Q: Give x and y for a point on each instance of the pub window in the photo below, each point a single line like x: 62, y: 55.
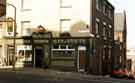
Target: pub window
x: 70, y: 46
x: 21, y: 54
x: 28, y: 55
x: 55, y: 46
x: 63, y: 46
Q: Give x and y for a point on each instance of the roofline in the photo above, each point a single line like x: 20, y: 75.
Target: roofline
x: 110, y: 4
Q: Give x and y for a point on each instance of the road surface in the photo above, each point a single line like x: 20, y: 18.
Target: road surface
x: 31, y: 77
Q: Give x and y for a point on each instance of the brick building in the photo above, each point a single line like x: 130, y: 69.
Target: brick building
x: 103, y: 29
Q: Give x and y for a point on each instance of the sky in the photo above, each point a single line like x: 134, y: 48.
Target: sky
x: 128, y: 6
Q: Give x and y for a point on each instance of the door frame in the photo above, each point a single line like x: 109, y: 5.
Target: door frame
x: 37, y: 47
x: 80, y: 48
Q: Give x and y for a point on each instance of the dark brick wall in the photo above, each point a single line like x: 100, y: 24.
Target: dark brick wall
x: 100, y: 41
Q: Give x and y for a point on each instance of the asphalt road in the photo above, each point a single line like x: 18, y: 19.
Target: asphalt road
x: 13, y: 77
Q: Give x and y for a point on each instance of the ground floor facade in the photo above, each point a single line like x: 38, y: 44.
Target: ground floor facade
x: 41, y: 50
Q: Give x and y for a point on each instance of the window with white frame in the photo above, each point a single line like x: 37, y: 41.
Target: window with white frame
x: 65, y: 24
x: 65, y: 4
x: 26, y: 4
x: 25, y: 28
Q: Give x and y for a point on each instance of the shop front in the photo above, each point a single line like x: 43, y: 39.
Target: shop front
x: 70, y: 53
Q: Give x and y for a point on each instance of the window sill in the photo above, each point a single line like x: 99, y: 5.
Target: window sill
x: 23, y: 10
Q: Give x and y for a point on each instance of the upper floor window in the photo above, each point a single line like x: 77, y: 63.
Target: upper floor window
x: 26, y: 5
x: 65, y: 24
x: 65, y: 4
x: 110, y: 29
x: 110, y: 13
x: 105, y: 9
x: 25, y: 28
x: 98, y: 4
x: 66, y: 13
x: 97, y: 27
x: 104, y: 30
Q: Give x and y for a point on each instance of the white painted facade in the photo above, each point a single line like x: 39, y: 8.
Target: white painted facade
x: 48, y: 13
x: 55, y: 15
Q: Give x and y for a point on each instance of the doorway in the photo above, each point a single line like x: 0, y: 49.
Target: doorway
x: 39, y: 55
x: 81, y: 59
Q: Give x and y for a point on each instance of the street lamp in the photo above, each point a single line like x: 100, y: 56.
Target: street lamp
x: 14, y: 38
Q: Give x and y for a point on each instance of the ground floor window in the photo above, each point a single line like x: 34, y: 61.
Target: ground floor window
x: 24, y: 53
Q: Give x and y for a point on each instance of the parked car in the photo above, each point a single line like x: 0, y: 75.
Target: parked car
x: 120, y: 73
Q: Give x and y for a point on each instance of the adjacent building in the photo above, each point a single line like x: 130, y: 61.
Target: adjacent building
x: 2, y: 8
x: 2, y: 19
x: 120, y: 34
x: 102, y: 26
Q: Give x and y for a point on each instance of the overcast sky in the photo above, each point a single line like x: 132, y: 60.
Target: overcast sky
x: 128, y: 6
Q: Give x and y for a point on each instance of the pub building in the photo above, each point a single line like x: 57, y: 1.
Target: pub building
x: 67, y: 52
x: 41, y: 50
x: 64, y: 53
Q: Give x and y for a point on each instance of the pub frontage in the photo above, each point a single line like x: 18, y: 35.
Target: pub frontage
x: 64, y: 53
x: 80, y: 54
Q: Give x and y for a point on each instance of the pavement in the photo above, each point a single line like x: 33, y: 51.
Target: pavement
x: 34, y: 75
x: 50, y: 73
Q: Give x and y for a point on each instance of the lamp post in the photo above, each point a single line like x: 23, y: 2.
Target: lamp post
x: 14, y: 38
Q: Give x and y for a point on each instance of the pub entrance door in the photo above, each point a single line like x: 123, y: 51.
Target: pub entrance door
x: 39, y: 54
x: 81, y: 59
